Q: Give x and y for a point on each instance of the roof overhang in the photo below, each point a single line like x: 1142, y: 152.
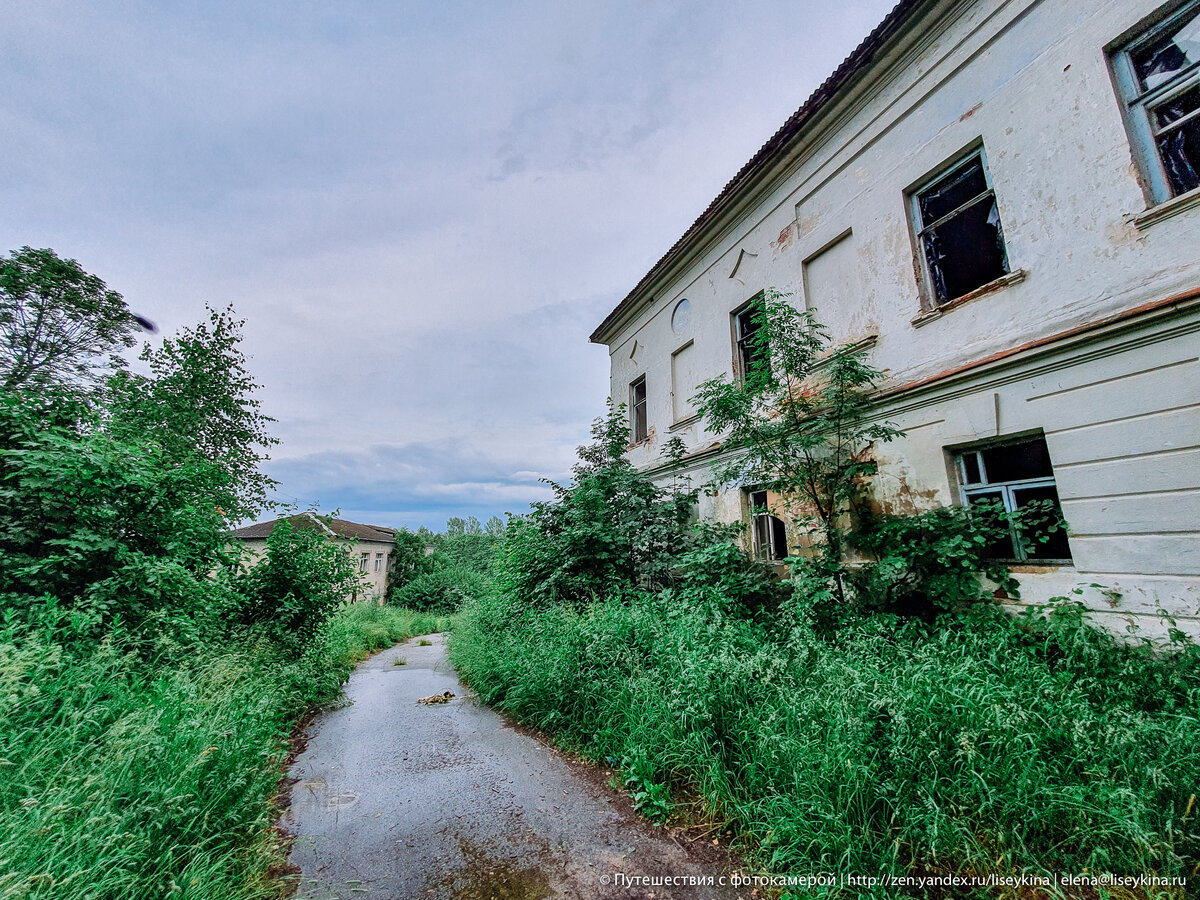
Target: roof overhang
x: 759, y: 170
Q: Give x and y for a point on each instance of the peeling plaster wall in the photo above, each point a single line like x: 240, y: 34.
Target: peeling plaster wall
x: 1027, y: 80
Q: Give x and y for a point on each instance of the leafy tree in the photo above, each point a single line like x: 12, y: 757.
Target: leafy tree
x: 804, y: 425
x: 60, y: 328
x: 494, y: 527
x: 104, y: 530
x: 801, y: 424
x: 409, y: 559
x: 198, y: 403
x: 469, y: 551
x: 609, y: 531
x: 456, y: 526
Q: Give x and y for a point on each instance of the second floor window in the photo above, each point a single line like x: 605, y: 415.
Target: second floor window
x: 362, y: 562
x: 750, y: 353
x: 378, y: 562
x: 959, y: 230
x: 637, y: 410
x: 1158, y: 76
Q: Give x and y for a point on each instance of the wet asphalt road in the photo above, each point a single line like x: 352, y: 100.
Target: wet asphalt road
x: 396, y: 800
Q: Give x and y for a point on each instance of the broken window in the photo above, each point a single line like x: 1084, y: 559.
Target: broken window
x: 637, y: 408
x: 767, y: 531
x: 750, y: 352
x: 362, y: 562
x: 959, y: 229
x: 1015, y: 476
x: 378, y: 562
x: 1158, y: 75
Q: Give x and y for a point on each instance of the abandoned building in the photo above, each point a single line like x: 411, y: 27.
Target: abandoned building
x: 369, y: 546
x: 999, y: 202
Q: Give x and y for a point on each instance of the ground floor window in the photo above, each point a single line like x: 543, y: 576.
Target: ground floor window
x: 1014, y: 474
x: 768, y: 535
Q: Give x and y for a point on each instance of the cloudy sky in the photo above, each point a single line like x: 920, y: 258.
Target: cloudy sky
x: 422, y: 209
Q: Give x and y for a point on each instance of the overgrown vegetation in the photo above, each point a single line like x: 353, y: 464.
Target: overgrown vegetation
x: 975, y: 745
x: 122, y: 776
x: 439, y: 572
x: 872, y: 713
x: 148, y: 678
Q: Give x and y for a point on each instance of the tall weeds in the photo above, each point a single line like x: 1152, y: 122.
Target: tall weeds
x: 980, y: 745
x: 126, y: 778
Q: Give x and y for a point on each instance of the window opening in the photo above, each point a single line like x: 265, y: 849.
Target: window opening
x: 1014, y: 475
x: 768, y: 532
x: 637, y: 404
x: 960, y: 232
x: 1158, y: 76
x: 750, y: 355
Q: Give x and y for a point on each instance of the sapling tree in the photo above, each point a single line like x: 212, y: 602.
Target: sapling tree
x: 801, y: 424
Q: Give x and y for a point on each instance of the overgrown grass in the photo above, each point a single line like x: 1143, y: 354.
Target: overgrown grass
x: 122, y: 778
x: 976, y: 746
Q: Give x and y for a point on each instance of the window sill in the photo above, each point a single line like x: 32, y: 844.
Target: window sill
x: 982, y: 291
x: 1166, y: 209
x: 861, y: 345
x: 684, y: 423
x: 1041, y: 566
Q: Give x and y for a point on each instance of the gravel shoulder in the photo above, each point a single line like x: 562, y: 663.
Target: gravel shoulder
x: 397, y: 800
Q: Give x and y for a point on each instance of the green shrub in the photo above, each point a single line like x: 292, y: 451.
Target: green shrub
x: 295, y: 588
x: 610, y: 528
x: 442, y: 590
x: 114, y: 532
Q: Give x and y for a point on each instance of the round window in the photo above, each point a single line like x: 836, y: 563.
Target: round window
x: 681, y: 316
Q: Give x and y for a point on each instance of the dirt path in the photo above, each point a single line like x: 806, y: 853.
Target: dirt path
x: 395, y: 800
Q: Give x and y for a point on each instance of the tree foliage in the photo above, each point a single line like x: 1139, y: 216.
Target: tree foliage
x: 60, y: 328
x: 199, y: 403
x: 296, y: 587
x: 803, y: 424
x: 409, y: 559
x: 607, y: 531
x: 108, y: 531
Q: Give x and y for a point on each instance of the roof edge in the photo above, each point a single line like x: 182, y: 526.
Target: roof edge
x: 829, y: 90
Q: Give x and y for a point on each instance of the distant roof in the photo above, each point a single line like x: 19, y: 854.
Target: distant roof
x: 862, y: 56
x: 333, y: 527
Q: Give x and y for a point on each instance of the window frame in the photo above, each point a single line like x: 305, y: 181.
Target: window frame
x: 364, y: 561
x: 741, y: 358
x: 967, y: 490
x: 767, y: 531
x: 1137, y: 106
x: 379, y: 562
x: 639, y: 422
x: 930, y: 295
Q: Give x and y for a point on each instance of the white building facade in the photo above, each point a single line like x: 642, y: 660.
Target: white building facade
x: 999, y: 200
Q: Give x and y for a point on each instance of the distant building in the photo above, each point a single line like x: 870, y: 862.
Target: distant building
x: 370, y: 546
x: 999, y: 202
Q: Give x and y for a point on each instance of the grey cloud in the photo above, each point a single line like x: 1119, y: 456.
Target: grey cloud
x: 421, y: 209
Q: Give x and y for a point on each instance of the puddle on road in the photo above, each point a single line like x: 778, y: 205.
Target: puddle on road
x: 482, y: 876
